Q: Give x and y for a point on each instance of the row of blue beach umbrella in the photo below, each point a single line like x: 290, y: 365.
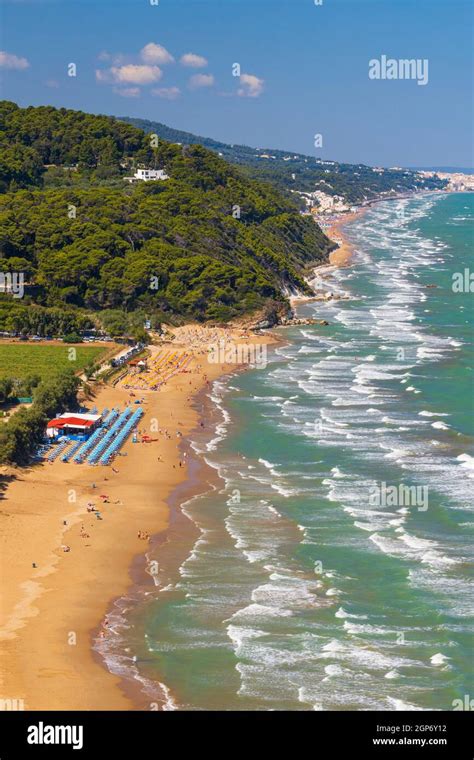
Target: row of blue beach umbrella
x: 121, y: 437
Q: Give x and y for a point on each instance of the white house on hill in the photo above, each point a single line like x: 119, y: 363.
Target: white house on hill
x: 147, y: 175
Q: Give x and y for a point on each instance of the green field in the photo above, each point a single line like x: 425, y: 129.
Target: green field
x: 18, y: 361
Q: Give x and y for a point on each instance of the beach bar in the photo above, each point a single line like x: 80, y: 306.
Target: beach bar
x: 75, y: 426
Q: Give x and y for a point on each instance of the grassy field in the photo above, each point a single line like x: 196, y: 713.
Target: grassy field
x: 20, y: 360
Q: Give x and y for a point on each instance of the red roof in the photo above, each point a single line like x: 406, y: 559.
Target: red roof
x: 61, y: 422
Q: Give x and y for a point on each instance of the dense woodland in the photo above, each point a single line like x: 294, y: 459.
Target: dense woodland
x: 31, y: 139
x: 207, y: 244
x: 356, y: 183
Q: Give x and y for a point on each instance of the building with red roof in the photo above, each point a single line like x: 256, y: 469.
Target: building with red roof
x: 73, y: 425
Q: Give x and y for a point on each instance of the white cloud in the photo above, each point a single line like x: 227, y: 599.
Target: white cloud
x: 103, y: 75
x: 153, y: 53
x: 10, y: 61
x: 134, y: 74
x: 193, y: 61
x: 252, y: 86
x: 201, y: 80
x: 120, y: 59
x: 53, y: 83
x: 127, y: 92
x: 169, y: 93
x: 125, y: 70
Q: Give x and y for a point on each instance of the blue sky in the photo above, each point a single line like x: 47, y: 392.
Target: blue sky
x: 304, y: 70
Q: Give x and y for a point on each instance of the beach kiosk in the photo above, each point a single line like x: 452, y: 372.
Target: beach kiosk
x: 76, y: 426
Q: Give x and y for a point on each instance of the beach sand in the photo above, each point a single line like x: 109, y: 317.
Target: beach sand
x: 341, y: 257
x: 49, y: 612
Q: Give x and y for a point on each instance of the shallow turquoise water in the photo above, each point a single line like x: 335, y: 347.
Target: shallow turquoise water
x: 295, y: 590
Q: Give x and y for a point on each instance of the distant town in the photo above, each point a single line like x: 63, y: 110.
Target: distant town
x: 324, y: 207
x: 457, y: 181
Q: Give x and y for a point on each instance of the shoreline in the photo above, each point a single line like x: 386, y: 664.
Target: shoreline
x: 342, y: 256
x: 51, y: 613
x: 176, y: 541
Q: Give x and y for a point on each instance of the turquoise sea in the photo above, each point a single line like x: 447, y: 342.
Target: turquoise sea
x: 288, y: 585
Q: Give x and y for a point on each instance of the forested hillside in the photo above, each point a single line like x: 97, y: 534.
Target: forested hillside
x: 208, y: 243
x: 31, y: 139
x: 290, y: 172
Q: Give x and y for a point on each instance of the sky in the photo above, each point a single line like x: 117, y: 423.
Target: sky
x: 265, y: 73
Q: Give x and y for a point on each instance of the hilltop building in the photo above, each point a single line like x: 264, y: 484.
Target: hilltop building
x: 148, y: 175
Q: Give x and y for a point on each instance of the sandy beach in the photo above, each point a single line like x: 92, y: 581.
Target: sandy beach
x: 53, y: 600
x: 342, y: 256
